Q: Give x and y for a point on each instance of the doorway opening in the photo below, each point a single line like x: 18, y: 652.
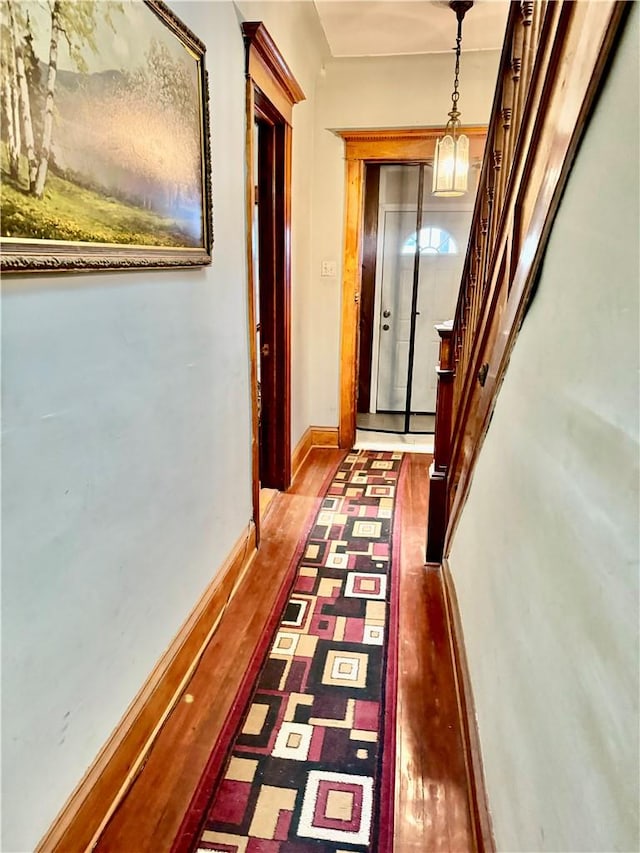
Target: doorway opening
x: 363, y: 149
x: 272, y: 331
x: 413, y: 252
x: 271, y: 93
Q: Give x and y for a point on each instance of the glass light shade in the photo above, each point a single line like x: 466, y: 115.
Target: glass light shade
x: 451, y: 166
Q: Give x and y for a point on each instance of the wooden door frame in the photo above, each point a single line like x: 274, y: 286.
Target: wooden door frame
x: 270, y: 82
x: 362, y: 147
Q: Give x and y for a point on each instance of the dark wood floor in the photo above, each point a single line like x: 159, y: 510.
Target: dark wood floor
x: 431, y: 808
x: 432, y: 803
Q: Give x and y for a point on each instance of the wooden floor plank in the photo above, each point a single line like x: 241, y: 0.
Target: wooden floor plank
x: 431, y: 808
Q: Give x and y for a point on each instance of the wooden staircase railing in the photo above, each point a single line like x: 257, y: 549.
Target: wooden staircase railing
x: 552, y: 63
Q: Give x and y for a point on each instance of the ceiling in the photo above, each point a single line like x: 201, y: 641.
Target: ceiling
x: 391, y: 27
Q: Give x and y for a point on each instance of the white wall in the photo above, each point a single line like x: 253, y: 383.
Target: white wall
x: 126, y: 481
x: 374, y: 92
x: 126, y: 447
x: 545, y: 560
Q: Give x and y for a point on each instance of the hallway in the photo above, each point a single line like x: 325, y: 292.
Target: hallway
x: 431, y: 798
x: 134, y: 596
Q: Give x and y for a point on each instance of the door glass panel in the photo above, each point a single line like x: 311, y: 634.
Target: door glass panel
x: 441, y: 236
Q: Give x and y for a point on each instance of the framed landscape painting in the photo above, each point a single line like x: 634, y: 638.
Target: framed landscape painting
x: 104, y: 137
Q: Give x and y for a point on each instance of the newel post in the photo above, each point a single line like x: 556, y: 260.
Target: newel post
x: 438, y: 472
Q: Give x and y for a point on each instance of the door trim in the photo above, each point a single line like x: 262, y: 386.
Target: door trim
x: 362, y: 147
x: 269, y: 78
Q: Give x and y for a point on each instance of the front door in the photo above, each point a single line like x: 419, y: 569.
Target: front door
x: 443, y: 242
x: 442, y: 246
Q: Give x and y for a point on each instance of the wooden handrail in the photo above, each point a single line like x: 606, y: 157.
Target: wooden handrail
x: 552, y: 63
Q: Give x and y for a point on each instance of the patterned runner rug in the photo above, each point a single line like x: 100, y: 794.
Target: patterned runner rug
x: 307, y: 761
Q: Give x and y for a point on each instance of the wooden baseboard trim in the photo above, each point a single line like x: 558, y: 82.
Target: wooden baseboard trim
x: 92, y: 803
x: 313, y: 436
x: 478, y: 801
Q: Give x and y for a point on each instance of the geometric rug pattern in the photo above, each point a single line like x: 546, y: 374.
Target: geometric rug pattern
x: 304, y: 769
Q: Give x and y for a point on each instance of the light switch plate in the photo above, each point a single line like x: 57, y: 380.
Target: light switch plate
x: 328, y: 269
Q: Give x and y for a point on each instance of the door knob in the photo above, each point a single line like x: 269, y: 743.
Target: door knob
x: 386, y: 327
x: 386, y: 313
x: 264, y: 349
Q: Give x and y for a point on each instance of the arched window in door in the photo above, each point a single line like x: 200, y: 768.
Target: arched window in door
x: 433, y: 241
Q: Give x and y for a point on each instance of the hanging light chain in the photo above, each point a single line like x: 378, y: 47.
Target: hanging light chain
x: 455, y: 94
x: 460, y: 7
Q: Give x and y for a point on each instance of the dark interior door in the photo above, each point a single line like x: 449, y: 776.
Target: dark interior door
x: 275, y: 465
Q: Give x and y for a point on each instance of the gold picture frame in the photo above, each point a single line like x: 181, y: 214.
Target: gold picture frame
x: 105, y: 148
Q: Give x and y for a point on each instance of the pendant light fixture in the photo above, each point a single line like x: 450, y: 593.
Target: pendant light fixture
x: 451, y: 161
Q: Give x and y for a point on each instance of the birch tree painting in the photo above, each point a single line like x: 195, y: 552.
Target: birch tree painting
x: 101, y: 125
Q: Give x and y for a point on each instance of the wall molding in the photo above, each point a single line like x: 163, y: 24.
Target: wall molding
x: 92, y: 803
x: 389, y: 145
x: 266, y: 65
x: 477, y: 790
x: 313, y: 436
